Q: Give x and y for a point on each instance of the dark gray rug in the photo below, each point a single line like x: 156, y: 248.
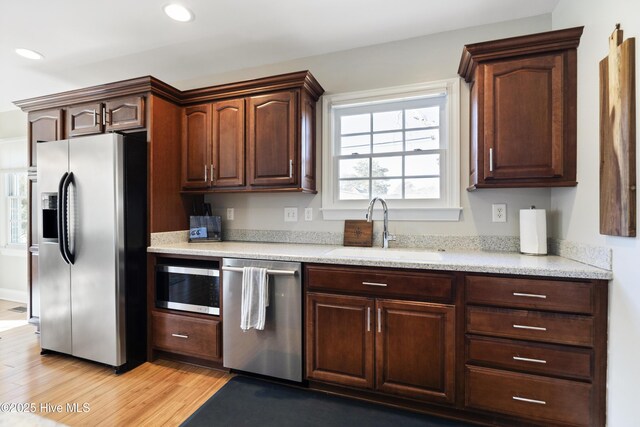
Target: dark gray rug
x: 247, y: 401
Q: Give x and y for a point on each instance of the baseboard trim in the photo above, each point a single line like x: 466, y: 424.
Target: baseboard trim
x: 13, y: 295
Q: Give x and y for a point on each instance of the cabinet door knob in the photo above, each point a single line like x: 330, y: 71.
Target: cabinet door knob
x: 206, y: 178
x: 368, y: 319
x: 290, y: 168
x: 379, y: 320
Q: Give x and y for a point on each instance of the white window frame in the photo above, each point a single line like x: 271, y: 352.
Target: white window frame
x: 5, y: 206
x: 446, y: 209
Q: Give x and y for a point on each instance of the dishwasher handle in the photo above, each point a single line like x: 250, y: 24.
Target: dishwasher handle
x: 270, y: 272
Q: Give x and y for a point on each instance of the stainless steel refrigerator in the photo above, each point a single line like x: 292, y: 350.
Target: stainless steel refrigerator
x: 92, y: 242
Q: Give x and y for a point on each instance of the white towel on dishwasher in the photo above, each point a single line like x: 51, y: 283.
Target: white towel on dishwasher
x: 255, y: 298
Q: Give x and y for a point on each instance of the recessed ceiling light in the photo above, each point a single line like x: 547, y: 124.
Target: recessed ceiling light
x: 28, y: 53
x: 178, y: 12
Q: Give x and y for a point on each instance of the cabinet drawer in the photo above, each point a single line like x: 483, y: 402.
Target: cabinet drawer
x: 186, y: 335
x: 381, y: 282
x: 534, y: 397
x: 533, y: 358
x: 529, y: 325
x: 570, y: 297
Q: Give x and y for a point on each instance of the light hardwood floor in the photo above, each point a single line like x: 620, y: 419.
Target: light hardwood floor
x: 153, y: 394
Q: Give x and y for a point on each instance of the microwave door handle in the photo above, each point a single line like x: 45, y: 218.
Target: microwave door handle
x: 65, y: 223
x: 60, y: 218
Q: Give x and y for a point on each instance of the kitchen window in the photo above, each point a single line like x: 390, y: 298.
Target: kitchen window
x: 398, y: 143
x: 16, y: 207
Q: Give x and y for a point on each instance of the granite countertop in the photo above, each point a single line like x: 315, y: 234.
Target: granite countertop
x: 469, y: 261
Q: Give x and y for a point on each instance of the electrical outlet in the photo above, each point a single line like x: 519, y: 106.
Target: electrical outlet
x: 499, y: 212
x: 308, y: 214
x: 290, y: 214
x: 230, y: 214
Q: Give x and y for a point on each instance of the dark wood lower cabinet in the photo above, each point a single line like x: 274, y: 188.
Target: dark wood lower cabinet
x: 415, y: 349
x: 186, y: 335
x: 548, y: 400
x: 396, y: 347
x: 530, y: 356
x: 490, y: 349
x: 536, y: 358
x: 340, y: 339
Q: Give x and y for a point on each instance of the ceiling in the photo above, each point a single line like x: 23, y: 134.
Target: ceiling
x: 93, y: 42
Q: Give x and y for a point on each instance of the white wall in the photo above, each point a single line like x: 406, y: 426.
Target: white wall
x: 579, y: 206
x: 13, y: 279
x: 13, y: 155
x: 409, y: 61
x: 13, y: 124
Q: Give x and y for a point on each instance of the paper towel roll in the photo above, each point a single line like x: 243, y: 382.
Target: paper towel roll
x: 533, y: 231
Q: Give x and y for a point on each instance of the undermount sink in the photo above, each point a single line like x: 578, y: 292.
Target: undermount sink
x: 385, y: 254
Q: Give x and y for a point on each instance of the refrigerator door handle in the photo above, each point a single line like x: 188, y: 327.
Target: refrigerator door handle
x: 68, y: 255
x: 60, y: 218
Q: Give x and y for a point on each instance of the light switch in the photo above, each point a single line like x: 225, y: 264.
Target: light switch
x: 290, y: 214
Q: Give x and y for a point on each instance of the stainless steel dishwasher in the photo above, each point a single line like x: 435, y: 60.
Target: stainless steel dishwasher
x: 275, y: 351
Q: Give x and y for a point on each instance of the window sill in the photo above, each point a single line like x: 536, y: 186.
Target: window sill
x: 396, y: 214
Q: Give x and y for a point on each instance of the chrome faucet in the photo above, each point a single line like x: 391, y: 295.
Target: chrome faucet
x: 385, y: 229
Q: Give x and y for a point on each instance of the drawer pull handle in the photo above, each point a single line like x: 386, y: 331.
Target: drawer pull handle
x: 524, y: 399
x: 520, y: 294
x: 374, y: 284
x: 532, y: 328
x: 526, y: 359
x: 180, y: 336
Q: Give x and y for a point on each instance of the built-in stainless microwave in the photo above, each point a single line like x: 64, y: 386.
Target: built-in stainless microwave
x: 186, y: 287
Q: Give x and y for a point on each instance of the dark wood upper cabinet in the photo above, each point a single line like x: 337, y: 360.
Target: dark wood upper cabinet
x: 213, y: 145
x: 124, y: 113
x: 262, y: 136
x: 264, y: 142
x: 45, y: 125
x: 116, y: 114
x: 84, y: 119
x: 196, y: 146
x: 523, y: 110
x: 308, y: 141
x: 273, y: 159
x: 228, y: 143
x: 533, y: 151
